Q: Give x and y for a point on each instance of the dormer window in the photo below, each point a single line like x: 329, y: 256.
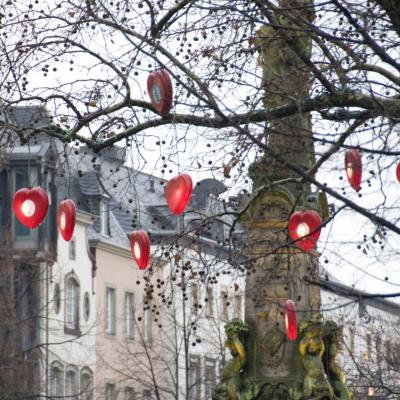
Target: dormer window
x: 104, y: 214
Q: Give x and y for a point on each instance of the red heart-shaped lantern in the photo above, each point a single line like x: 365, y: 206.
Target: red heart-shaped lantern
x: 353, y: 165
x: 140, y: 248
x: 178, y: 192
x: 30, y: 206
x: 66, y: 216
x: 304, y: 227
x: 290, y: 320
x: 398, y: 172
x: 159, y: 87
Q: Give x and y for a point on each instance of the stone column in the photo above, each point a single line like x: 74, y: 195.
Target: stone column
x: 277, y: 271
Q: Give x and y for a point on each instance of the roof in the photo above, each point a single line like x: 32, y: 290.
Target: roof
x: 30, y: 117
x: 376, y: 301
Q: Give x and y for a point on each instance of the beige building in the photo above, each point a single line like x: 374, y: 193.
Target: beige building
x: 124, y: 330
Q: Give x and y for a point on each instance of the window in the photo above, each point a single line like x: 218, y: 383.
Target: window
x: 194, y: 378
x: 147, y: 320
x: 388, y: 352
x: 72, y: 303
x: 129, y: 394
x: 86, y: 384
x: 210, y: 301
x: 56, y: 380
x: 110, y: 311
x: 209, y: 377
x: 378, y: 348
x: 238, y: 306
x: 129, y: 315
x: 27, y: 305
x: 25, y: 238
x: 110, y: 391
x: 104, y: 216
x: 57, y: 298
x: 86, y: 306
x: 352, y: 339
x: 147, y: 394
x: 224, y: 305
x: 367, y: 352
x: 195, y: 299
x: 71, y: 385
x: 72, y: 249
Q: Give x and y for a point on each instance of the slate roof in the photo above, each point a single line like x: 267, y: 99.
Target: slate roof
x: 29, y: 117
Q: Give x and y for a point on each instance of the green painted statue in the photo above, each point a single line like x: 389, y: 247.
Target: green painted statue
x: 231, y: 385
x: 333, y: 337
x: 318, y: 348
x: 311, y: 349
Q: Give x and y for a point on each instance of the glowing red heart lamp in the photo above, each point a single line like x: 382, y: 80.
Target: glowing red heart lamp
x: 304, y: 227
x: 178, y: 192
x: 159, y: 87
x: 290, y: 320
x: 140, y: 248
x: 353, y: 165
x: 66, y: 216
x: 398, y: 172
x: 30, y: 206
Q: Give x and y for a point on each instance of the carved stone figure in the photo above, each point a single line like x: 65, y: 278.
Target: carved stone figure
x: 230, y: 386
x: 333, y: 337
x: 311, y: 348
x: 272, y: 347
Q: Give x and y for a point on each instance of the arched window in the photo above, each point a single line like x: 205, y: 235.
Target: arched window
x: 86, y: 384
x: 71, y: 303
x: 56, y: 380
x: 71, y: 383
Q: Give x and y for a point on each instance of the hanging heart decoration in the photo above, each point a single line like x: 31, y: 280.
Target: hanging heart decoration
x: 353, y: 165
x: 178, y: 192
x: 290, y: 320
x: 304, y: 227
x: 30, y: 206
x: 140, y: 248
x: 66, y: 216
x: 398, y: 172
x: 159, y: 87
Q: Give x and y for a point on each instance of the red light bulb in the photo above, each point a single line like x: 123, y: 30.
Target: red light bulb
x: 178, y: 192
x: 304, y: 228
x: 66, y: 216
x: 30, y: 206
x: 140, y: 248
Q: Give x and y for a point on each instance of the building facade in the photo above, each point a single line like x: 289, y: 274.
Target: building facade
x: 91, y: 325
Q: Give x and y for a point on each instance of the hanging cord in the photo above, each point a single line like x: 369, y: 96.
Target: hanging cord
x: 137, y: 204
x: 29, y: 165
x: 177, y: 152
x: 132, y: 181
x: 68, y: 175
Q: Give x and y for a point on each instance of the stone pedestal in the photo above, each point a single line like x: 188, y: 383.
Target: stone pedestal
x: 276, y: 273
